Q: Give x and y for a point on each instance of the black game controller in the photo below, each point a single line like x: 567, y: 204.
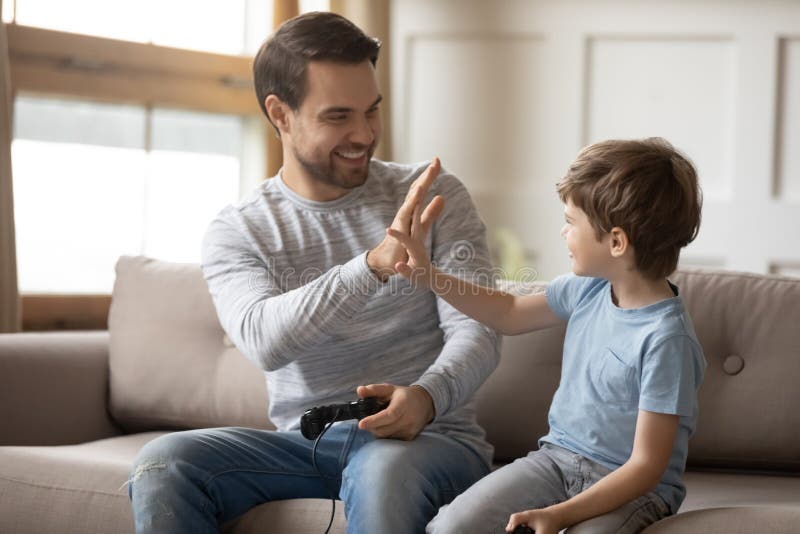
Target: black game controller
x: 523, y: 529
x: 314, y: 420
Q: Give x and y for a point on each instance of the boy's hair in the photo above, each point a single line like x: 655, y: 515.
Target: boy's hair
x: 647, y: 188
x: 279, y: 67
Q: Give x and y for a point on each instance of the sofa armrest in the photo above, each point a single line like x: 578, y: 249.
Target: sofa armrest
x: 54, y: 388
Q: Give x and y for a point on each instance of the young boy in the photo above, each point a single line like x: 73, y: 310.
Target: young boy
x: 626, y: 406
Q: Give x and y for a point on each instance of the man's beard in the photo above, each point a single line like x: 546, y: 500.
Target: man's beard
x: 326, y: 172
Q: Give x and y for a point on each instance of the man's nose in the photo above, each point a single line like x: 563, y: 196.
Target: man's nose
x: 362, y: 132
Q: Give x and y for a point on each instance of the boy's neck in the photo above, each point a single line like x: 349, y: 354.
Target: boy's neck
x: 632, y: 290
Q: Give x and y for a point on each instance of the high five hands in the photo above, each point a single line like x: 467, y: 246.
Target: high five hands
x: 414, y: 263
x: 411, y: 220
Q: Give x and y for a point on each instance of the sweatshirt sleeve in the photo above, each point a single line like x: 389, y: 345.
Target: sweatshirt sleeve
x: 269, y: 326
x: 471, y: 350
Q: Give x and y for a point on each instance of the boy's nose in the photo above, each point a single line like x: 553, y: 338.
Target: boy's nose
x: 564, y: 231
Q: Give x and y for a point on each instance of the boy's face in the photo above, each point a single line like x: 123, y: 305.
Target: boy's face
x: 336, y: 128
x: 589, y: 256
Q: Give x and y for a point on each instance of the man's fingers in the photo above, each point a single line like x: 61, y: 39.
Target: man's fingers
x: 428, y: 176
x: 432, y: 211
x: 417, y: 191
x: 374, y: 422
x: 382, y: 391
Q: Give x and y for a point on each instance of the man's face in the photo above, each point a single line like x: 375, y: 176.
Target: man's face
x: 336, y: 128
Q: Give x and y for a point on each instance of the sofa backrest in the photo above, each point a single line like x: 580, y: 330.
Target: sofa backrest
x: 172, y: 366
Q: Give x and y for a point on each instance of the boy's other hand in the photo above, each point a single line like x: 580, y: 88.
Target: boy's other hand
x: 541, y: 521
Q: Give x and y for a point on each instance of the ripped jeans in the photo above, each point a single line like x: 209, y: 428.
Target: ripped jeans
x: 195, y: 480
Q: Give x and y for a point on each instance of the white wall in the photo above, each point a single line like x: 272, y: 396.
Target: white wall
x: 508, y: 91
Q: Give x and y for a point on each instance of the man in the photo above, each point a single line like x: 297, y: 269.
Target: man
x: 301, y: 274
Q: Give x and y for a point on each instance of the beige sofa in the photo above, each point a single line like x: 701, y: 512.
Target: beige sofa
x: 76, y: 407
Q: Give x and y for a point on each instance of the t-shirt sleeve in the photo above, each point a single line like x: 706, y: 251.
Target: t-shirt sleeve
x: 671, y: 374
x: 565, y: 292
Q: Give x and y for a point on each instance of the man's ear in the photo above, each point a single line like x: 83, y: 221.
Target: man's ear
x: 619, y: 242
x: 278, y: 113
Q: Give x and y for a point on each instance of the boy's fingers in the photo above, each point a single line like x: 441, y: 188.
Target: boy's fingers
x: 404, y: 239
x: 408, y: 243
x: 415, y: 196
x: 415, y: 221
x: 404, y: 269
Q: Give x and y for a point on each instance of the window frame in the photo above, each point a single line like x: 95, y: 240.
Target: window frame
x: 51, y: 63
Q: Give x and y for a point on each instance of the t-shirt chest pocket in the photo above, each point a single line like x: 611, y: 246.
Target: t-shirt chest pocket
x: 613, y: 379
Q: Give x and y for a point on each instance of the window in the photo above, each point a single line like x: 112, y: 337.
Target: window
x: 94, y: 181
x: 134, y: 124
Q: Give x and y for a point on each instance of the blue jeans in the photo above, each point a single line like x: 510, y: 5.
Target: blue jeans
x: 195, y: 480
x: 542, y: 478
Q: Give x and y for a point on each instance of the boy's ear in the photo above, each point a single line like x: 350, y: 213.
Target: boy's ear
x: 278, y: 113
x: 619, y: 242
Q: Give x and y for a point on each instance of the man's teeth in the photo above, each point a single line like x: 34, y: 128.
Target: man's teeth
x: 351, y: 155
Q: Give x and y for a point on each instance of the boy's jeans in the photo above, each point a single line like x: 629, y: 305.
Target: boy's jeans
x: 194, y: 481
x: 540, y: 479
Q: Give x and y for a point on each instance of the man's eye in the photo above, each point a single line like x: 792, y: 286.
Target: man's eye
x: 337, y: 118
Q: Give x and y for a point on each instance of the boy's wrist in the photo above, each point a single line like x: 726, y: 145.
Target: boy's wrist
x: 560, y: 514
x: 436, y: 280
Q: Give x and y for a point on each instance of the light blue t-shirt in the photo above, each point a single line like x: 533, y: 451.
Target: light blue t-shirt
x: 619, y: 361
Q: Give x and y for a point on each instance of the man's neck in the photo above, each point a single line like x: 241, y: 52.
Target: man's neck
x: 297, y: 178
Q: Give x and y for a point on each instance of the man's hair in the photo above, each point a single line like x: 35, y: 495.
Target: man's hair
x: 279, y: 67
x: 645, y: 187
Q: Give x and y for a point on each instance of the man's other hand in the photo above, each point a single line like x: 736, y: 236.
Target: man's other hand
x: 410, y: 410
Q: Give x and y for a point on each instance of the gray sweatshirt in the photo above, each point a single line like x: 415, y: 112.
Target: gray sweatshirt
x: 293, y: 291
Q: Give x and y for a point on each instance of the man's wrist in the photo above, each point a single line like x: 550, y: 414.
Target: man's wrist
x: 430, y: 414
x: 380, y: 272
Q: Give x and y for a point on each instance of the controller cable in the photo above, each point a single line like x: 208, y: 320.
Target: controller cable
x: 314, y: 463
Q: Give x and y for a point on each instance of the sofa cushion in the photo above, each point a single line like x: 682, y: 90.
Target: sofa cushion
x: 299, y: 516
x: 740, y: 520
x: 708, y: 489
x: 69, y: 488
x: 170, y: 365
